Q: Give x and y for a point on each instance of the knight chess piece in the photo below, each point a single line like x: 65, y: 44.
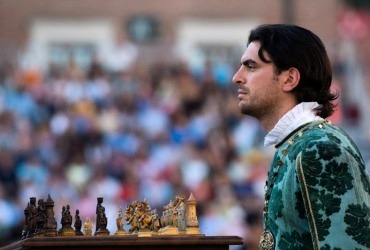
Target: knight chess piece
x: 66, y: 222
x: 78, y: 224
x: 50, y: 225
x: 119, y: 222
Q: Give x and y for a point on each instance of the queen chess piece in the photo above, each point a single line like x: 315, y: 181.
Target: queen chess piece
x: 103, y: 222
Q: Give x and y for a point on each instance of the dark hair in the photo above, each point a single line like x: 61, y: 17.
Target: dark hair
x: 293, y: 46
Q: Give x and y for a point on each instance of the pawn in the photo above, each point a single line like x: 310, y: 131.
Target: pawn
x: 88, y: 227
x: 78, y: 224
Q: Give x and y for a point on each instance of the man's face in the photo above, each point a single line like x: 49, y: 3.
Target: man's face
x: 258, y: 87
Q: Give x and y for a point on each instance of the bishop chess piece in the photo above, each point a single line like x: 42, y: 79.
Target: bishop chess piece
x: 78, y: 224
x: 119, y: 222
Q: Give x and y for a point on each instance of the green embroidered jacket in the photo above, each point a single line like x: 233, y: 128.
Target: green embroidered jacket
x: 321, y: 195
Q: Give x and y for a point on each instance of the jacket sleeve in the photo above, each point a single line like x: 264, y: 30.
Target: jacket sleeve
x: 335, y: 189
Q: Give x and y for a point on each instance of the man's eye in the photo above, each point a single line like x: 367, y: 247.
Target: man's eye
x: 250, y: 68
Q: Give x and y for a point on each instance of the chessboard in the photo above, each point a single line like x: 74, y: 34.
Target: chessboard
x: 128, y: 242
x: 176, y: 227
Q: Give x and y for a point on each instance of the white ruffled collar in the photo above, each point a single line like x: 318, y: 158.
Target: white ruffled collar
x: 299, y: 115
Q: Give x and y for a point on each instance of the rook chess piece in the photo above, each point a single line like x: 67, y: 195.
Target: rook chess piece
x: 192, y: 219
x: 50, y: 225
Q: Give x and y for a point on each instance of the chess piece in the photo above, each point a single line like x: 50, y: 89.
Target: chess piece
x: 88, y: 227
x: 32, y: 219
x: 181, y: 214
x: 66, y: 222
x: 50, y: 225
x: 119, y: 222
x: 103, y: 222
x: 99, y: 208
x: 143, y: 219
x: 171, y: 228
x: 41, y: 217
x: 155, y: 221
x: 191, y: 217
x: 130, y: 218
x: 25, y: 227
x: 78, y: 224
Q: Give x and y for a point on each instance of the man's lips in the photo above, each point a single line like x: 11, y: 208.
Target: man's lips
x: 241, y: 93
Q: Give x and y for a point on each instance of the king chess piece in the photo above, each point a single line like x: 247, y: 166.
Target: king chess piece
x: 78, y: 224
x: 66, y: 222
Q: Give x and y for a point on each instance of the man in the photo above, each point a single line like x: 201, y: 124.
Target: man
x: 317, y: 189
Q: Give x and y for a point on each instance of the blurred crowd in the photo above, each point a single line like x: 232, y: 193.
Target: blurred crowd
x: 143, y: 132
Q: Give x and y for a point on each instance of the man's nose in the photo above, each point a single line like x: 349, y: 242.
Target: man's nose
x: 237, y: 77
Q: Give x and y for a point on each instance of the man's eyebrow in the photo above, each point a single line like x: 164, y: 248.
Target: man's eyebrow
x: 247, y: 62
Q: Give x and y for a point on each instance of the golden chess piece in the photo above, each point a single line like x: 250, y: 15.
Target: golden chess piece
x: 88, y: 227
x: 192, y: 224
x: 119, y: 221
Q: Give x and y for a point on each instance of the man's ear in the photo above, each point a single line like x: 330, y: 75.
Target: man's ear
x: 291, y: 80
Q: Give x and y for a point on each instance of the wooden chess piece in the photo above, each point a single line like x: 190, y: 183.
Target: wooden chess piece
x: 103, y: 222
x: 192, y: 225
x: 32, y: 219
x: 78, y: 224
x: 181, y: 214
x: 66, y: 222
x: 50, y: 225
x: 131, y: 219
x: 41, y: 218
x: 119, y: 222
x: 25, y: 227
x: 99, y: 208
